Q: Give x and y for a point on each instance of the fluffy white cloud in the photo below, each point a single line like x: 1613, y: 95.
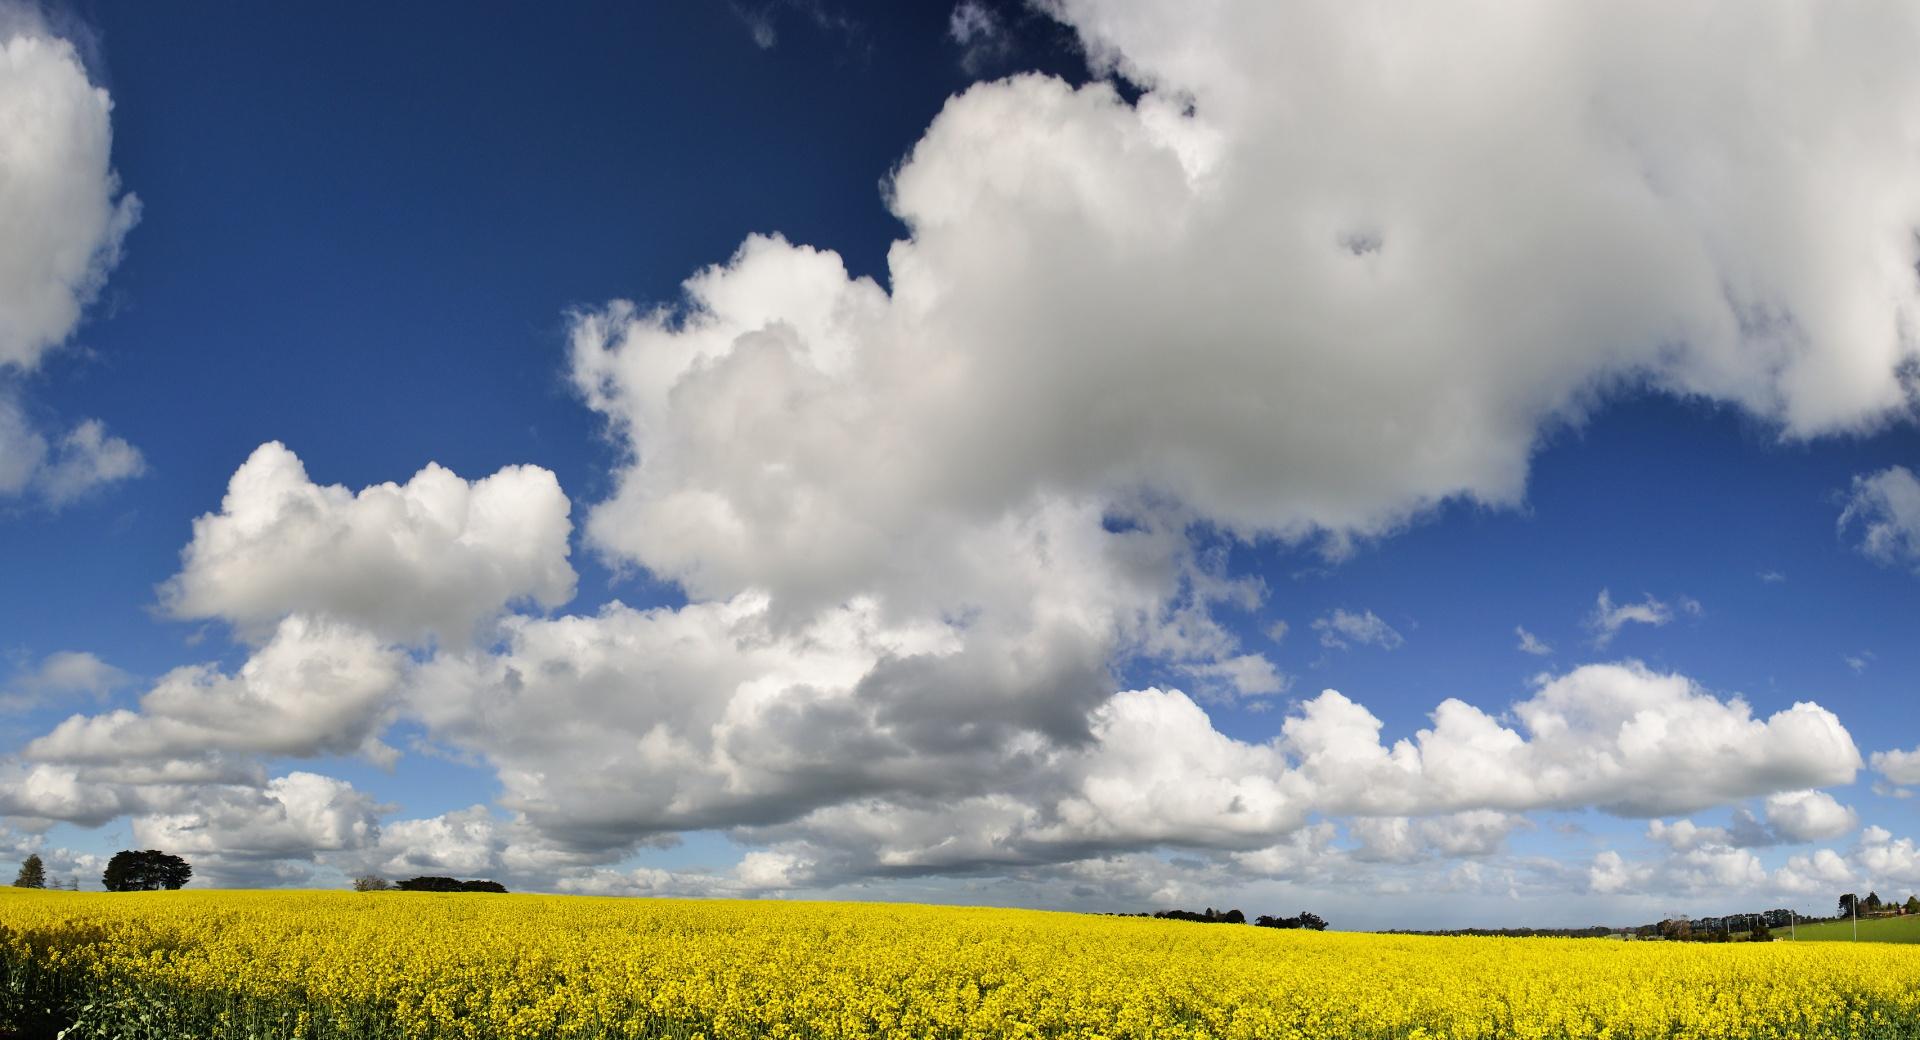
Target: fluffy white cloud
x: 317, y: 687
x: 62, y: 218
x: 1398, y: 839
x: 62, y: 215
x: 435, y: 556
x: 1900, y: 767
x: 1620, y: 737
x: 1885, y: 509
x: 1344, y: 628
x: 1822, y: 871
x: 1885, y: 859
x: 250, y: 836
x: 1798, y: 816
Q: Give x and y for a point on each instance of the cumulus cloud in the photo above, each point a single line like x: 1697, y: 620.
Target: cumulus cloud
x: 1822, y: 871
x: 62, y: 214
x: 1343, y: 628
x: 1608, y: 618
x: 317, y: 687
x: 920, y: 526
x: 243, y: 837
x: 436, y: 556
x: 1798, y: 816
x: 62, y: 219
x: 1791, y: 817
x: 1884, y: 510
x: 1900, y: 767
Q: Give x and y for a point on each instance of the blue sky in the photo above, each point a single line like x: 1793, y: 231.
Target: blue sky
x: 1103, y: 387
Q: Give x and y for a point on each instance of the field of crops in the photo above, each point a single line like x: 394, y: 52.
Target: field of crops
x: 1872, y: 929
x: 339, y: 965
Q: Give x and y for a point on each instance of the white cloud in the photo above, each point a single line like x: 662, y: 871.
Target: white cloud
x: 1822, y: 871
x: 1685, y: 835
x: 61, y: 675
x: 1618, y: 737
x: 435, y: 556
x: 1900, y: 767
x: 65, y: 470
x: 242, y: 837
x: 85, y: 459
x: 1858, y: 662
x: 1608, y: 618
x: 1884, y: 859
x: 1798, y: 816
x: 1885, y: 508
x: 892, y: 510
x: 317, y: 687
x: 62, y: 219
x: 1398, y: 839
x: 1530, y: 643
x: 62, y: 216
x: 1343, y: 628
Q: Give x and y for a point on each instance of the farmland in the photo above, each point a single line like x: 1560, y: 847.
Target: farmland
x: 1872, y: 929
x: 326, y: 965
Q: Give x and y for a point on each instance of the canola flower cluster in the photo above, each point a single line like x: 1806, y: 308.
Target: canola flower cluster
x: 327, y: 965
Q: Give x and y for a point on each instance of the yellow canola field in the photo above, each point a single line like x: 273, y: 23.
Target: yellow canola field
x: 374, y: 965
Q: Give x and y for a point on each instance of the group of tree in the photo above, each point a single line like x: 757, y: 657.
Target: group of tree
x: 430, y: 884
x: 130, y: 871
x: 1851, y: 904
x: 1597, y: 931
x: 1212, y: 916
x: 1305, y: 920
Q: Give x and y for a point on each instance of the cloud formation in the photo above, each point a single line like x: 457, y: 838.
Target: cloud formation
x: 436, y: 556
x: 1884, y: 511
x: 62, y: 214
x: 920, y: 526
x: 62, y: 219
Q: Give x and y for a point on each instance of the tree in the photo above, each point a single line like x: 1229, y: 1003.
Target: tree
x: 1846, y: 904
x: 1913, y: 904
x: 1313, y: 921
x: 130, y: 871
x: 1872, y: 903
x: 370, y: 883
x: 33, y: 873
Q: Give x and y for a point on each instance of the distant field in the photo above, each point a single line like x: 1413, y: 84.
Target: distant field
x: 1877, y: 929
x: 427, y: 966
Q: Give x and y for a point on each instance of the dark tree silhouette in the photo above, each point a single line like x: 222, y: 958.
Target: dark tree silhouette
x: 447, y: 884
x: 1846, y: 904
x: 33, y: 873
x: 130, y: 871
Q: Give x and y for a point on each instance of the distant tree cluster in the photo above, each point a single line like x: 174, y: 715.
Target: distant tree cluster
x: 447, y: 884
x: 130, y: 871
x: 370, y: 883
x: 1305, y: 920
x: 1212, y: 916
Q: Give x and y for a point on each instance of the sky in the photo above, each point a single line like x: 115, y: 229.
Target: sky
x: 1434, y: 468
